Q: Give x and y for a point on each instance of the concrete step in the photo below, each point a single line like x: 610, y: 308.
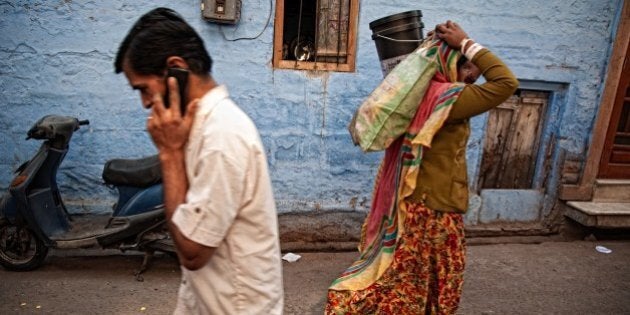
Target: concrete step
x: 611, y: 190
x: 600, y: 214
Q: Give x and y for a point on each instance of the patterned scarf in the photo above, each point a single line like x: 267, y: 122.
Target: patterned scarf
x: 398, y: 173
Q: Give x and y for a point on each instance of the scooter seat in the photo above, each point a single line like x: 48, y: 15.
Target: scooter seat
x: 141, y: 172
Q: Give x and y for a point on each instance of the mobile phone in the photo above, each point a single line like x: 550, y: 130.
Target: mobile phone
x: 182, y: 82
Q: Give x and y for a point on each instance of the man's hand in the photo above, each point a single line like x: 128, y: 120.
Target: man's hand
x: 168, y: 129
x: 451, y: 33
x: 170, y: 132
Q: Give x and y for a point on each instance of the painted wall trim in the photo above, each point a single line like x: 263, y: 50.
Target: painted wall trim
x: 541, y: 85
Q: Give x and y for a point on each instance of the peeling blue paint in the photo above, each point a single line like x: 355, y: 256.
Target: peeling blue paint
x: 510, y: 205
x: 56, y: 57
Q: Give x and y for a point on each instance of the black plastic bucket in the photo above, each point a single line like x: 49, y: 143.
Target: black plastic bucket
x: 396, y: 36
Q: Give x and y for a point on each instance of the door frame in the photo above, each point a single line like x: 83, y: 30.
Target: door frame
x: 606, y: 168
x: 584, y: 189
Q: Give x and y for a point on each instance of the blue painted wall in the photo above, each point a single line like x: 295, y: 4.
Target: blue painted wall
x: 56, y: 58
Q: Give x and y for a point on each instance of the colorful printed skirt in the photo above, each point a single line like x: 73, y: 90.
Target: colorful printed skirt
x: 425, y: 276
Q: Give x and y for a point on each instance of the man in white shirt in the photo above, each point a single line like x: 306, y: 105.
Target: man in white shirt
x: 217, y: 192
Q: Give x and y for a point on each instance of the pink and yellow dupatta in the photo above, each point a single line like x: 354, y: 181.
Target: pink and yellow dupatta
x: 398, y: 173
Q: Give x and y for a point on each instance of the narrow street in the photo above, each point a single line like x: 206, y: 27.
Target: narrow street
x: 545, y: 278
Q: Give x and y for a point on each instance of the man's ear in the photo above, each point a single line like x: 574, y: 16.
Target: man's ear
x: 176, y: 62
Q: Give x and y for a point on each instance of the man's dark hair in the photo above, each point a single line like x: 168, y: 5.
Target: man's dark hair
x: 157, y: 35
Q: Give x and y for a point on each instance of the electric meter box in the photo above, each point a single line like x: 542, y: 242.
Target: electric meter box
x: 221, y: 11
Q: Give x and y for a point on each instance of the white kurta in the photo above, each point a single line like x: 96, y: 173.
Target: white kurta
x: 230, y: 206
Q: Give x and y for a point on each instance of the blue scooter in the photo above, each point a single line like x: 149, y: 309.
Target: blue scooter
x: 33, y: 217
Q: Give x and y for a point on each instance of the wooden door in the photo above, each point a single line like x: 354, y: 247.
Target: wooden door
x: 512, y: 141
x: 615, y: 162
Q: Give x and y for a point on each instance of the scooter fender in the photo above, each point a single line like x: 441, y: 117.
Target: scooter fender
x: 34, y: 206
x: 8, y: 207
x: 36, y: 194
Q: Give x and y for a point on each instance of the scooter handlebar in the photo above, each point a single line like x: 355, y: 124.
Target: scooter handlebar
x: 52, y: 127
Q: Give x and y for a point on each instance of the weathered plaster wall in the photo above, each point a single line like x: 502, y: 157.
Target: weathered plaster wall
x: 56, y: 57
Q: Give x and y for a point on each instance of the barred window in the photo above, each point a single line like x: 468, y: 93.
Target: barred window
x: 315, y: 34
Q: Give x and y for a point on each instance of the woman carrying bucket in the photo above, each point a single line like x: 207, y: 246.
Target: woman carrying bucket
x: 412, y: 244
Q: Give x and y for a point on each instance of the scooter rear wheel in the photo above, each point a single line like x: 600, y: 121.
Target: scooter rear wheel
x: 20, y: 249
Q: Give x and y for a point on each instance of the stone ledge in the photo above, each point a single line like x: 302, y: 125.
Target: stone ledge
x: 341, y: 230
x: 470, y: 241
x: 600, y: 214
x: 611, y: 191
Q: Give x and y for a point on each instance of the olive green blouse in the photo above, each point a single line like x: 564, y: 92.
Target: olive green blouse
x: 442, y: 181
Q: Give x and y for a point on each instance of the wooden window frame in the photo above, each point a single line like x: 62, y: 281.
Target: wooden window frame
x: 348, y: 66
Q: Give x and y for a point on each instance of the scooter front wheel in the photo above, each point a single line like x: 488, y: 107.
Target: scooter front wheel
x: 20, y: 249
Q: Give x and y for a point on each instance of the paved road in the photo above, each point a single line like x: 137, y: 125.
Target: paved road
x: 546, y: 278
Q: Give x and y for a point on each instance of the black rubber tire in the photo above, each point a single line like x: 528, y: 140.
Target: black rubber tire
x: 10, y: 259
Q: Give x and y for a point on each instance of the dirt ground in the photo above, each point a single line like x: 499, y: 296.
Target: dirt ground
x: 545, y: 278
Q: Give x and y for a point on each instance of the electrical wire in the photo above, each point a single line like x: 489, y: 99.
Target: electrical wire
x: 250, y: 38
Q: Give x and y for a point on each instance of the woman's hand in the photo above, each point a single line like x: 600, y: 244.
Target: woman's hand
x: 451, y: 33
x: 168, y: 129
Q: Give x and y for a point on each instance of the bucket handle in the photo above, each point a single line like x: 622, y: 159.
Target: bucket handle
x: 400, y: 40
